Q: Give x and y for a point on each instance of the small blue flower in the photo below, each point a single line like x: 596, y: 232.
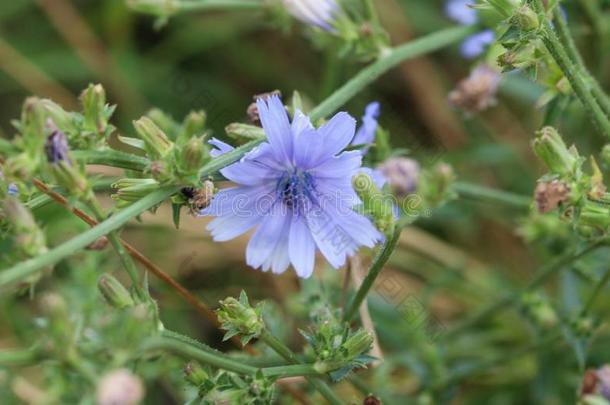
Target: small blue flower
x: 366, y: 133
x: 13, y: 189
x: 476, y: 44
x: 317, y: 13
x: 297, y: 189
x: 461, y: 11
x: 56, y: 148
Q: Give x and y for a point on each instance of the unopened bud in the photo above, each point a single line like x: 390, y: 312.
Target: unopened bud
x: 193, y: 154
x: 436, y: 185
x: 244, y: 131
x: 549, y: 195
x: 193, y: 125
x: 53, y: 305
x: 157, y: 143
x: 114, y: 292
x: 120, y: 387
x: 375, y: 203
x: 526, y: 18
x: 551, y: 149
x: 402, y: 175
x: 238, y: 317
x: 478, y: 91
x: 56, y: 147
x: 131, y: 190
x: 195, y: 374
x: 29, y: 237
x: 33, y: 125
x: 93, y: 99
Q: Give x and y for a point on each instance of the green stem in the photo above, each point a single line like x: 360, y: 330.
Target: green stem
x: 19, y: 357
x: 476, y: 192
x: 563, y: 32
x: 284, y: 351
x: 206, y: 5
x: 209, y: 356
x: 390, y: 59
x: 576, y: 79
x: 112, y: 158
x: 540, y: 278
x: 380, y: 260
x: 593, y: 297
x: 41, y: 200
x: 117, y: 245
x: 29, y: 267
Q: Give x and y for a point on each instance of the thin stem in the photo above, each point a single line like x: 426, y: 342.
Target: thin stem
x: 593, y: 297
x: 540, y: 278
x: 189, y: 350
x: 380, y: 260
x: 371, y: 11
x: 115, y: 241
x: 204, y: 5
x: 19, y: 357
x: 29, y: 267
x: 392, y: 58
x: 284, y: 351
x: 476, y: 192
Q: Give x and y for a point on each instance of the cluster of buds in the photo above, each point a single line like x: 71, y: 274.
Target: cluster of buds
x: 338, y: 349
x: 580, y: 196
x: 375, y: 203
x: 225, y: 387
x: 176, y: 151
x: 238, y: 317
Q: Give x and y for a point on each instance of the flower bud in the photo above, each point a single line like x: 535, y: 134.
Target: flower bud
x: 54, y: 306
x: 244, y: 131
x: 29, y: 237
x: 20, y: 166
x: 120, y: 387
x: 157, y: 143
x: 58, y: 155
x: 96, y: 112
x: 375, y: 203
x: 114, y: 292
x: 195, y: 374
x: 478, y: 91
x: 526, y: 18
x: 402, y: 175
x: 550, y: 194
x: 551, y: 149
x: 340, y: 354
x: 436, y: 185
x: 56, y: 147
x: 193, y: 155
x: 32, y: 126
x: 238, y: 317
x: 193, y: 125
x: 131, y: 190
x: 315, y: 13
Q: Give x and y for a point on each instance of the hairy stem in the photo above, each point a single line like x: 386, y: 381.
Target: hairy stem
x: 392, y: 58
x: 378, y: 262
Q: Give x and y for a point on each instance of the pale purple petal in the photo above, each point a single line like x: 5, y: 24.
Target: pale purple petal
x: 476, y: 44
x: 221, y: 147
x: 337, y: 133
x: 275, y: 122
x: 344, y: 165
x: 308, y: 147
x: 366, y: 132
x: 301, y: 247
x: 267, y: 236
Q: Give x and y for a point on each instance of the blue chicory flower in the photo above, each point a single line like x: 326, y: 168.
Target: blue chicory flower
x: 317, y: 13
x: 461, y: 12
x: 13, y: 189
x: 297, y: 189
x: 476, y: 44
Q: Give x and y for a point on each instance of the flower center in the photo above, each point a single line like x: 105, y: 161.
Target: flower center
x: 296, y: 189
